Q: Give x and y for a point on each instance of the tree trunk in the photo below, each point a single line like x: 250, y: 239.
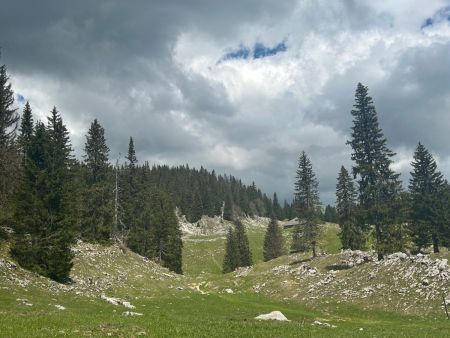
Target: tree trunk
x: 378, y: 234
x: 435, y: 243
x: 314, y: 248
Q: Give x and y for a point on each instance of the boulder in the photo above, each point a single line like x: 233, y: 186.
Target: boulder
x: 274, y: 315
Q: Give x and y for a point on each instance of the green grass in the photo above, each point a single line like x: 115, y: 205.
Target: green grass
x: 184, y: 312
x: 193, y: 315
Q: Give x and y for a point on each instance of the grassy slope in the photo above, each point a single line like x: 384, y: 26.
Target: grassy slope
x: 173, y: 307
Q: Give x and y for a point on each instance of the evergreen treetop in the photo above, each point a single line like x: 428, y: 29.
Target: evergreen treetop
x: 8, y: 114
x: 273, y: 241
x: 26, y: 128
x: 96, y: 153
x: 131, y: 157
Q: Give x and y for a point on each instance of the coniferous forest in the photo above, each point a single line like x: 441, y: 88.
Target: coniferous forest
x: 49, y: 199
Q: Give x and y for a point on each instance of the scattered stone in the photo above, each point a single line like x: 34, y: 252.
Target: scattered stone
x: 131, y: 314
x: 243, y: 272
x: 316, y: 322
x: 24, y: 301
x: 60, y: 307
x: 230, y: 291
x: 117, y: 301
x: 274, y: 315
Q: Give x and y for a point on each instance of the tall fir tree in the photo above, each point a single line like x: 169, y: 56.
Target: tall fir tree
x: 352, y: 236
x: 231, y: 259
x: 245, y: 255
x: 131, y: 156
x: 97, y: 210
x: 307, y: 204
x: 277, y: 210
x: 60, y: 203
x: 426, y: 187
x: 273, y: 241
x: 44, y: 228
x: 130, y: 188
x: 96, y: 153
x: 378, y: 185
x: 26, y: 130
x: 8, y: 150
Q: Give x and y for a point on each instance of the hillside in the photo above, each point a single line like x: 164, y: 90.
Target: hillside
x: 339, y: 294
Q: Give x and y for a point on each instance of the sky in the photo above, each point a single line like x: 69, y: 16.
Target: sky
x: 239, y: 86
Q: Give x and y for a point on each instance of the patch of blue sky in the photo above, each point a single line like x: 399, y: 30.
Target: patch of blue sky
x: 442, y: 14
x: 261, y: 51
x: 258, y: 51
x: 20, y: 98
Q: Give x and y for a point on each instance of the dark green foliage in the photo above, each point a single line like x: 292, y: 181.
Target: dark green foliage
x: 288, y: 210
x: 8, y: 114
x: 307, y: 205
x: 245, y: 256
x: 273, y: 241
x: 237, y: 249
x: 97, y: 197
x: 352, y: 236
x: 378, y: 185
x: 231, y: 260
x: 228, y: 209
x: 196, y: 207
x: 277, y: 210
x: 26, y: 129
x: 426, y: 188
x: 330, y: 214
x: 96, y: 154
x: 156, y: 233
x: 44, y: 229
x: 398, y: 231
x: 131, y: 157
x: 130, y: 187
x: 8, y: 152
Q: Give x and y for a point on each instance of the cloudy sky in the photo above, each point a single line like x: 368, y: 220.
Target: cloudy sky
x: 239, y: 86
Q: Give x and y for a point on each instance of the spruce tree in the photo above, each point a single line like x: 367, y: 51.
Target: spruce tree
x: 97, y: 210
x: 96, y: 153
x: 43, y: 226
x: 307, y: 205
x: 130, y: 188
x: 131, y: 157
x: 8, y: 152
x: 231, y: 259
x: 351, y: 234
x: 245, y: 256
x: 277, y: 210
x: 26, y: 129
x: 426, y: 186
x: 378, y: 185
x: 60, y: 201
x: 273, y: 241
